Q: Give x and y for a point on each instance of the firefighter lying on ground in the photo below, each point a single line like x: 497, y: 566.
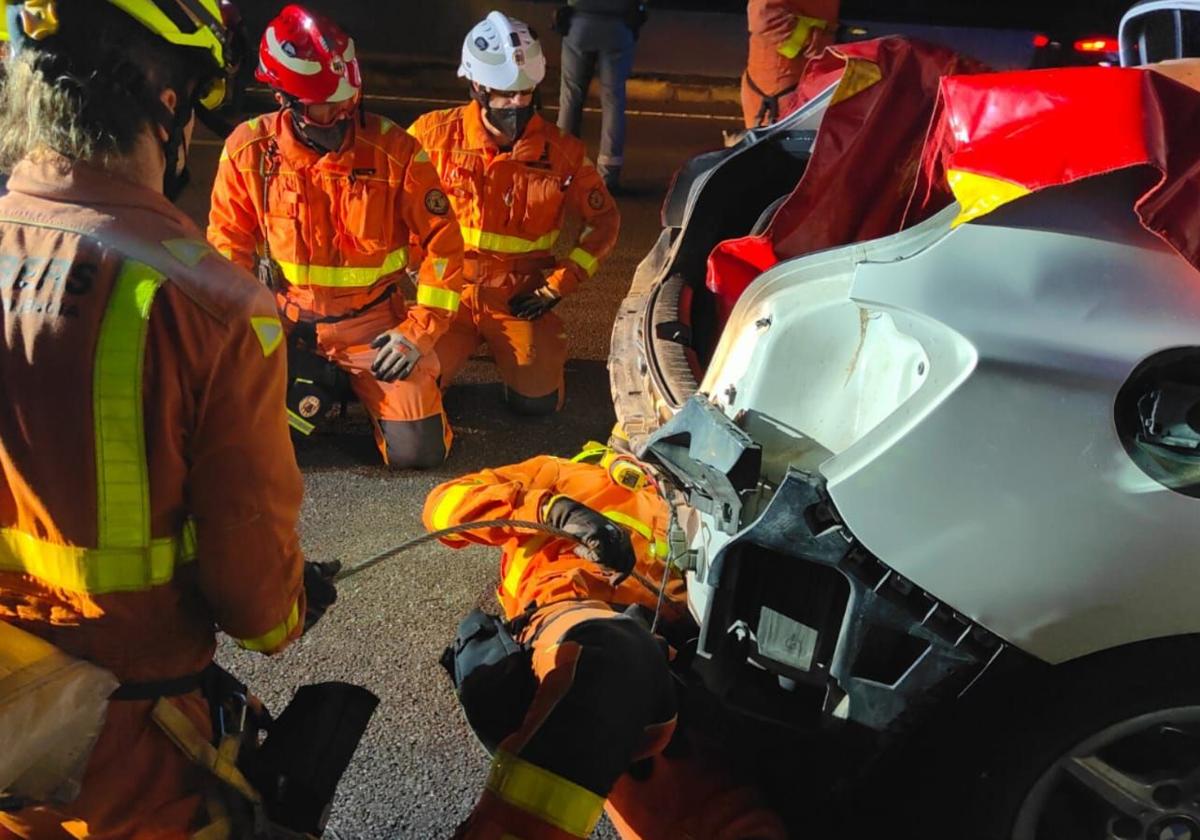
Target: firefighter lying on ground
x: 603, y: 708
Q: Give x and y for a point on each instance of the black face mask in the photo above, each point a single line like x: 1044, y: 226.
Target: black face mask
x: 510, y: 122
x: 175, y: 183
x: 324, y: 139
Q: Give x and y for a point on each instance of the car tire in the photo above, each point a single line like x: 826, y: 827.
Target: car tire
x: 1040, y: 756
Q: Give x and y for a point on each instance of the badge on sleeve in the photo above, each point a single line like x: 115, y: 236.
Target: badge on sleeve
x: 437, y: 203
x: 595, y: 199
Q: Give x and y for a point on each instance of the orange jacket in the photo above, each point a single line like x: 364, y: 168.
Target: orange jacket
x: 783, y: 33
x: 148, y: 489
x: 538, y: 568
x: 511, y: 204
x: 342, y: 226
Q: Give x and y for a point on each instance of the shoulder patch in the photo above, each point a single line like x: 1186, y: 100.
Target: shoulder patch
x: 595, y: 199
x: 437, y: 203
x: 269, y: 332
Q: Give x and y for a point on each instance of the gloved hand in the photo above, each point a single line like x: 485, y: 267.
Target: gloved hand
x: 397, y: 356
x: 319, y: 591
x: 600, y: 539
x: 533, y: 305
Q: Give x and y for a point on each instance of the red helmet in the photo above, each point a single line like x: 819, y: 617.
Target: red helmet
x: 309, y: 58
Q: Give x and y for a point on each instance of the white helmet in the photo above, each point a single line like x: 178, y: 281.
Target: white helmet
x: 501, y: 53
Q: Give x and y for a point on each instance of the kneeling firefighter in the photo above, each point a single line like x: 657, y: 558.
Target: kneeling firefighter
x: 328, y: 202
x: 148, y: 491
x: 573, y: 695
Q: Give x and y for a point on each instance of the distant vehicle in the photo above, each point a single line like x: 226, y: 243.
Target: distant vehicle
x: 1006, y: 35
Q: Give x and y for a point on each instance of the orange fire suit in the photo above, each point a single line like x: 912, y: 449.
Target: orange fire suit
x: 605, y: 697
x: 341, y: 227
x: 784, y: 35
x: 511, y: 205
x: 148, y: 489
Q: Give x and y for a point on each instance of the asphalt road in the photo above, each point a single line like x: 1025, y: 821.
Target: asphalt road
x: 419, y: 770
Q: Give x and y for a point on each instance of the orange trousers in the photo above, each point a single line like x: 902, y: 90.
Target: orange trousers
x: 138, y: 784
x: 415, y: 400
x: 606, y: 701
x: 530, y: 355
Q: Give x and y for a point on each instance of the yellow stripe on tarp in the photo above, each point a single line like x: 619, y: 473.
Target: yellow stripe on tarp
x: 979, y: 195
x: 95, y: 571
x: 343, y: 277
x: 122, y: 477
x: 503, y: 244
x: 859, y: 75
x: 438, y: 297
x: 549, y: 797
x: 584, y: 260
x: 801, y: 35
x: 276, y: 636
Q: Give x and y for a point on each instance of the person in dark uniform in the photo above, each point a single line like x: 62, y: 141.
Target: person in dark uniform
x: 599, y: 35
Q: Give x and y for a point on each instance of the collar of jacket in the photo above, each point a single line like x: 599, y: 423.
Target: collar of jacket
x: 299, y: 154
x: 54, y: 178
x: 531, y: 146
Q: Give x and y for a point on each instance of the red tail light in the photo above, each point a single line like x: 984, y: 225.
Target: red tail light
x: 1041, y: 40
x: 1097, y: 45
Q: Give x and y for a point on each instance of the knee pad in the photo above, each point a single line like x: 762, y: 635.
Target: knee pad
x: 414, y: 444
x: 531, y: 406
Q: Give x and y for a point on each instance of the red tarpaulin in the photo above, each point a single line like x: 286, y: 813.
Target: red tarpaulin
x: 1001, y: 136
x: 864, y: 163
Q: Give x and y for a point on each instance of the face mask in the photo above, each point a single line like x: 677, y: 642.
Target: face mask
x: 510, y: 122
x: 323, y: 138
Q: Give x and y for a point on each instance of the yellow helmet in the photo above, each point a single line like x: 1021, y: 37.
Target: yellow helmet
x: 199, y: 24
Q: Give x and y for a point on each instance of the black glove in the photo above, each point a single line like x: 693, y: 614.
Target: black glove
x: 396, y: 358
x: 319, y: 591
x: 601, y: 540
x: 533, y: 305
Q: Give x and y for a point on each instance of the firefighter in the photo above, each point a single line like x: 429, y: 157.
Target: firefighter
x: 330, y: 202
x: 784, y: 35
x: 511, y: 177
x: 605, y: 700
x: 148, y: 490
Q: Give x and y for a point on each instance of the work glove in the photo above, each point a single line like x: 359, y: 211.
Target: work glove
x: 533, y: 305
x: 319, y: 591
x: 396, y: 358
x: 600, y: 539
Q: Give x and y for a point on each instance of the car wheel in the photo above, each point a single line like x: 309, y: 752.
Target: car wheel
x: 1112, y: 752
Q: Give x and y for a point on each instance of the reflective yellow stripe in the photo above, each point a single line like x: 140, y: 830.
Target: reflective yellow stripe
x: 96, y: 571
x: 122, y: 481
x: 584, y: 260
x: 979, y: 195
x: 438, y: 297
x: 800, y: 36
x: 859, y: 75
x: 273, y: 638
x: 549, y: 797
x: 592, y: 453
x: 299, y: 423
x: 658, y: 548
x: 520, y: 562
x: 502, y: 244
x: 451, y: 499
x: 343, y: 277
